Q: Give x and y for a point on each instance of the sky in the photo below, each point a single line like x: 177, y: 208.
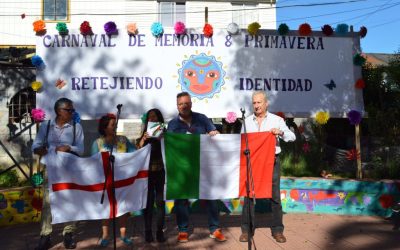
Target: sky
x: 380, y: 17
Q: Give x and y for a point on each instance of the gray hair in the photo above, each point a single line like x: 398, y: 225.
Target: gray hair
x: 259, y: 92
x: 62, y: 102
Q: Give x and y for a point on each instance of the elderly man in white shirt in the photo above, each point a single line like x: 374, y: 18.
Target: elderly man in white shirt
x: 261, y: 121
x: 64, y: 135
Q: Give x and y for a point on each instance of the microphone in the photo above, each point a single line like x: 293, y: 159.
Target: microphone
x: 242, y: 110
x: 119, y: 106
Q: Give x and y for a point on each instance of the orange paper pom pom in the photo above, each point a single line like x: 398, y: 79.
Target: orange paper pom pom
x: 39, y: 26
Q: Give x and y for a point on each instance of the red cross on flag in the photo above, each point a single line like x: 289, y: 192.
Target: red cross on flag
x: 76, y: 184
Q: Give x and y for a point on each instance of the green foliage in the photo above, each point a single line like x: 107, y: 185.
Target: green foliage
x: 297, y: 163
x: 382, y: 100
x: 9, y: 179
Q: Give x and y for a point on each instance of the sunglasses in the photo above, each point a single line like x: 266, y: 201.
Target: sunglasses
x: 69, y: 110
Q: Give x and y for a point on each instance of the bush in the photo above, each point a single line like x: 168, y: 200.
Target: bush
x: 9, y: 179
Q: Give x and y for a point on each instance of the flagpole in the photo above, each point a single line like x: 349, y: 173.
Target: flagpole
x: 249, y: 186
x: 111, y: 166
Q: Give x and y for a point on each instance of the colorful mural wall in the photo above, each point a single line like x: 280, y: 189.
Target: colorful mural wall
x: 331, y: 196
x: 298, y: 195
x: 20, y: 205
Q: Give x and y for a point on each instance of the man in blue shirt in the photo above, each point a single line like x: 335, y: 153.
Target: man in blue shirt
x: 189, y: 122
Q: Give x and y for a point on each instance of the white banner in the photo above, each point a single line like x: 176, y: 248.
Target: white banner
x: 301, y: 75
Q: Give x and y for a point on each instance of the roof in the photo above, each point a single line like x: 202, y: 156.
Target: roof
x: 378, y: 59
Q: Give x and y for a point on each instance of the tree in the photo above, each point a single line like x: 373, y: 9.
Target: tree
x: 382, y: 100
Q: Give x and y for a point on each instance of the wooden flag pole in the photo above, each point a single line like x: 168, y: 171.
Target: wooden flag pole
x: 358, y: 152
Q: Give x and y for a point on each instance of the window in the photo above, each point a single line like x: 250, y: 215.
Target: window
x: 244, y: 14
x: 171, y: 12
x: 21, y: 105
x: 55, y: 10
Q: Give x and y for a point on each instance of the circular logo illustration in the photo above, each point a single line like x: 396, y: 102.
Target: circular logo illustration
x: 201, y: 76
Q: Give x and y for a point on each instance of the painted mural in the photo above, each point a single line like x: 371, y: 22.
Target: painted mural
x: 339, y: 196
x: 298, y: 195
x: 21, y: 205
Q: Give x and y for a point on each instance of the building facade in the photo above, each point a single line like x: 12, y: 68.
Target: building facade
x: 17, y: 46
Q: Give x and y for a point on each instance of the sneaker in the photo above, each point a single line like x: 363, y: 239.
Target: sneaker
x: 218, y: 235
x: 396, y: 208
x: 44, y: 243
x: 104, y: 242
x: 183, y: 237
x: 126, y: 241
x: 69, y: 241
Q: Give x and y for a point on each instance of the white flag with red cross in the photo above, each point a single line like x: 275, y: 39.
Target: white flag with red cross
x: 76, y: 184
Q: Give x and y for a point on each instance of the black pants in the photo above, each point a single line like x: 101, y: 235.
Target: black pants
x: 155, y: 193
x: 276, y: 207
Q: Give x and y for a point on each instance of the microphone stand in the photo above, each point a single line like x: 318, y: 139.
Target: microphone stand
x: 111, y: 166
x: 249, y: 186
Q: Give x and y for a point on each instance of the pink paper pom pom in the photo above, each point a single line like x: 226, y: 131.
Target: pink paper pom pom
x: 38, y: 115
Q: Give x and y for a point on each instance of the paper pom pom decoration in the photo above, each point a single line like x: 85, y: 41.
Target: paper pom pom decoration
x: 283, y: 29
x: 36, y: 85
x: 231, y: 117
x: 37, y: 179
x: 281, y: 114
x: 39, y: 27
x: 157, y: 29
x: 110, y: 28
x: 359, y: 60
x: 180, y: 28
x: 363, y: 31
x: 86, y: 29
x: 76, y: 117
x: 306, y: 147
x: 144, y: 118
x: 62, y: 29
x: 360, y: 84
x: 354, y: 117
x: 233, y: 29
x: 38, y: 62
x: 322, y: 117
x: 305, y: 29
x: 327, y: 30
x: 253, y: 28
x: 352, y: 154
x: 342, y: 29
x: 208, y: 30
x: 38, y: 115
x: 132, y: 29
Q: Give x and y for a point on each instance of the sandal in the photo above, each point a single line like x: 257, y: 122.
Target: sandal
x: 126, y: 241
x: 104, y: 242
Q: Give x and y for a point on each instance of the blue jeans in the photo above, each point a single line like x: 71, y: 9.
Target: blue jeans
x: 182, y: 214
x: 276, y: 207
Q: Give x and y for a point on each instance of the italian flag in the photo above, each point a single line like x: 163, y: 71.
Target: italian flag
x: 214, y: 167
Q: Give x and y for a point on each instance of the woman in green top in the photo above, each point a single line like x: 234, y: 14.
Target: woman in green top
x: 120, y: 144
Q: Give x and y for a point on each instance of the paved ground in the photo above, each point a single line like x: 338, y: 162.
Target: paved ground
x: 303, y: 231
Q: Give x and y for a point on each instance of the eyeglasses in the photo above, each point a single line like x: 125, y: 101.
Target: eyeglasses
x: 69, y: 110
